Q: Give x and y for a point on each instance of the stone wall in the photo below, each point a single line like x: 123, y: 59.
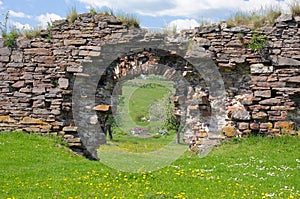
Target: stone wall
x: 262, y: 87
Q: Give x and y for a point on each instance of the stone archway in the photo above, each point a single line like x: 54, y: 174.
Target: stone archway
x: 196, y: 76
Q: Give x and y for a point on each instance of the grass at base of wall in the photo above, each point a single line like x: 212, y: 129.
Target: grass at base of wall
x: 41, y: 167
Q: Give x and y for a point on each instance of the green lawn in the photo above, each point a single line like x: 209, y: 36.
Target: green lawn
x: 42, y: 167
x: 143, y: 98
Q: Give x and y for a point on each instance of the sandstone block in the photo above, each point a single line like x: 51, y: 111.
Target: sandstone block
x: 243, y: 126
x: 254, y: 126
x: 285, y: 125
x: 229, y: 131
x: 271, y: 101
x: 264, y: 93
x: 37, y: 51
x: 259, y: 116
x: 29, y: 120
x: 18, y: 84
x: 68, y: 42
x: 267, y: 125
x: 6, y: 119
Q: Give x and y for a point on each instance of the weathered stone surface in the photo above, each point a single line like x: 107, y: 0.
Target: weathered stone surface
x: 254, y: 126
x: 235, y: 43
x: 284, y: 61
x: 4, y: 51
x: 265, y: 93
x: 271, y: 101
x: 243, y: 126
x: 6, y: 119
x: 38, y: 90
x: 240, y: 115
x: 229, y: 131
x: 70, y: 129
x: 203, y: 41
x: 63, y: 83
x: 29, y: 120
x: 284, y: 18
x: 260, y: 68
x: 285, y: 125
x: 37, y: 51
x: 267, y: 125
x: 74, y: 42
x: 259, y: 116
x: 18, y: 84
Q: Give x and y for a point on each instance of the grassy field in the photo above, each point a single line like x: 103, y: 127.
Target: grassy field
x: 42, y: 167
x: 141, y: 100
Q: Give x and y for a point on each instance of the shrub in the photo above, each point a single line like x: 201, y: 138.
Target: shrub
x: 258, y: 42
x: 72, y: 15
x: 10, y: 38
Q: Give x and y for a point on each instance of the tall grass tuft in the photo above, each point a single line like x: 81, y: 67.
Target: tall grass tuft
x: 32, y: 33
x: 129, y: 20
x: 72, y: 15
x: 256, y: 18
x: 295, y: 7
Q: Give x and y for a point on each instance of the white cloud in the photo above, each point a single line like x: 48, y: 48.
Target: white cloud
x: 186, y: 8
x: 18, y: 14
x: 48, y: 17
x: 182, y: 24
x: 1, y: 3
x: 21, y: 26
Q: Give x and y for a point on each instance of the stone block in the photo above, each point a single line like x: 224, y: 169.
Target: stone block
x: 259, y: 115
x: 29, y: 120
x: 284, y: 18
x: 18, y: 84
x: 6, y: 119
x: 285, y: 125
x: 37, y: 51
x: 271, y: 101
x: 260, y: 69
x: 229, y: 131
x: 70, y: 129
x: 254, y: 126
x: 243, y: 126
x: 63, y: 83
x: 264, y: 93
x: 240, y: 115
x: 4, y: 51
x: 267, y: 125
x: 68, y: 42
x: 38, y: 90
x: 284, y: 61
x: 4, y: 58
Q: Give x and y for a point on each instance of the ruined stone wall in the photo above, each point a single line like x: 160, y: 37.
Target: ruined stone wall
x: 262, y: 85
x: 37, y: 75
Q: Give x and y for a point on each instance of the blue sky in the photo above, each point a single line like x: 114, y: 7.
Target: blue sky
x: 153, y: 14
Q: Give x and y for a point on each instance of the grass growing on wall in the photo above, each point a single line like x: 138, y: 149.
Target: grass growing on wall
x: 72, y: 14
x: 256, y: 18
x: 295, y: 7
x: 41, y: 167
